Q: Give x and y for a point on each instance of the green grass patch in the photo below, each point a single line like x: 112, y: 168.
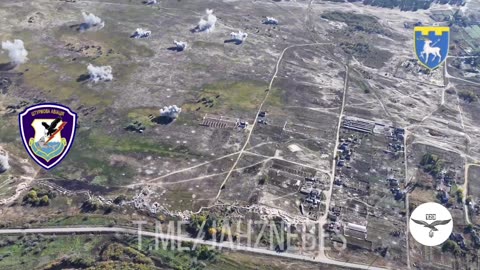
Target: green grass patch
x: 92, y: 220
x: 208, y: 45
x: 32, y: 251
x: 79, y: 164
x: 245, y: 261
x: 92, y: 151
x: 193, y: 259
x: 142, y: 115
x: 57, y: 76
x: 228, y: 96
x: 9, y: 129
x: 100, y: 180
x: 46, y: 78
x: 276, y: 98
x: 133, y: 143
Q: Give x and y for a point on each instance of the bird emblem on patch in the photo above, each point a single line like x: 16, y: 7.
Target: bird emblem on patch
x: 432, y: 226
x: 47, y: 132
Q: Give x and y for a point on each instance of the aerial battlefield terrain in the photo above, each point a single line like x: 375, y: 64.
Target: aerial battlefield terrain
x: 324, y: 116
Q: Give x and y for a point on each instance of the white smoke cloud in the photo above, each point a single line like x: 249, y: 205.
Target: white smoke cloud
x: 181, y: 45
x: 4, y: 166
x: 90, y: 20
x: 170, y: 111
x: 239, y: 36
x: 16, y: 51
x: 207, y: 22
x: 141, y: 33
x: 270, y: 20
x: 101, y: 73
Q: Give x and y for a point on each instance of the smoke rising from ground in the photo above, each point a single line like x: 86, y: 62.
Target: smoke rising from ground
x: 4, y: 166
x: 270, y: 20
x: 170, y: 111
x: 207, y: 22
x: 90, y: 20
x: 180, y: 45
x: 16, y: 51
x: 239, y: 36
x: 100, y: 73
x: 141, y: 33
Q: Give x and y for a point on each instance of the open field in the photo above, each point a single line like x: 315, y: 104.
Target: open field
x: 261, y: 132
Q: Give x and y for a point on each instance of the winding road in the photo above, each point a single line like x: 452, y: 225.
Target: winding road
x: 260, y: 108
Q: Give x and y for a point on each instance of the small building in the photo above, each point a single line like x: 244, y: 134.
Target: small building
x: 242, y: 124
x: 337, y: 210
x: 475, y: 238
x: 310, y: 179
x: 306, y: 190
x: 344, y: 147
x: 355, y: 230
x: 444, y: 197
x: 459, y: 239
x: 393, y: 182
x: 338, y: 182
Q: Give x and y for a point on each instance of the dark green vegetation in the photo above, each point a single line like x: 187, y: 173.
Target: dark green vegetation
x: 102, y: 252
x: 8, y: 132
x: 97, y: 252
x: 360, y: 28
x: 90, y: 219
x: 92, y: 205
x: 370, y: 55
x: 357, y: 22
x: 432, y: 164
x: 36, y: 251
x: 208, y: 226
x: 406, y: 5
x: 451, y: 246
x: 468, y: 96
x: 457, y: 192
x: 38, y: 197
x: 179, y: 256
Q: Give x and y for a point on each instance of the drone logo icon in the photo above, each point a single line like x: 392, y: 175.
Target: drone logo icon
x: 431, y: 224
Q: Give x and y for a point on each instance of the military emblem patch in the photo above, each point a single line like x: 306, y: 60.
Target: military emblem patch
x: 431, y: 224
x: 47, y: 132
x: 431, y: 45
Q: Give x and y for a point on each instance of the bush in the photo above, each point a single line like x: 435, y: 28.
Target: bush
x: 90, y: 206
x: 469, y: 228
x: 119, y: 199
x: 44, y: 201
x: 38, y: 197
x: 449, y: 245
x: 212, y: 232
x: 432, y: 164
x: 468, y: 96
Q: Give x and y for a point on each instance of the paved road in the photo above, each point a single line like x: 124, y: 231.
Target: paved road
x: 226, y: 245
